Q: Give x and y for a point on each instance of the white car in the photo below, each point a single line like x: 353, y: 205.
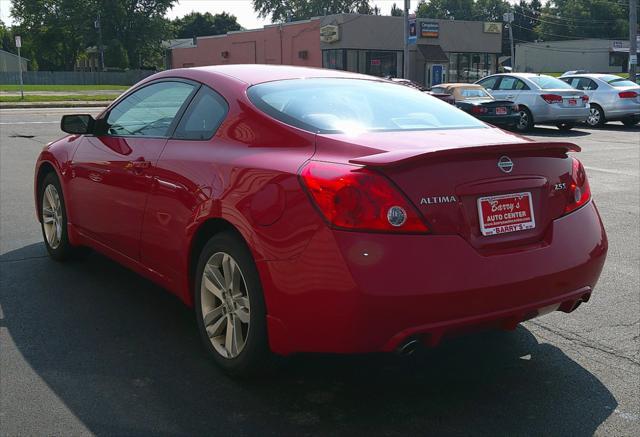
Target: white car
x: 541, y: 99
x: 611, y: 97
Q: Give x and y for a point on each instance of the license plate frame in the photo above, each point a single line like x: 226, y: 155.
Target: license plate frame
x: 508, y: 213
x: 501, y: 110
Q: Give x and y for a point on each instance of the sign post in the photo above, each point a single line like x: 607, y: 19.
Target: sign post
x: 18, y: 45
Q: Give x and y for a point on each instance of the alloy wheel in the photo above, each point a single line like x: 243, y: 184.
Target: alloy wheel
x: 225, y: 305
x: 52, y: 216
x: 523, y: 123
x: 594, y: 117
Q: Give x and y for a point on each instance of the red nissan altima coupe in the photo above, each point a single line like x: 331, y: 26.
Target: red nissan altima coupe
x: 309, y: 210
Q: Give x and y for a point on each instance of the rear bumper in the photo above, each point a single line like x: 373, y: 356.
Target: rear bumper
x: 501, y: 120
x: 553, y: 113
x: 354, y: 292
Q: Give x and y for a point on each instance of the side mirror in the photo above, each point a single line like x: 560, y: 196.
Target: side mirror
x: 77, y: 124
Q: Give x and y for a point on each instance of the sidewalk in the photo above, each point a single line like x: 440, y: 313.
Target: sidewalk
x: 60, y: 104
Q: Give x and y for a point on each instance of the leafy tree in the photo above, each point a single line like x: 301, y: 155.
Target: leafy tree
x: 525, y: 18
x: 446, y: 9
x: 115, y: 55
x: 197, y: 24
x: 396, y: 11
x: 293, y: 10
x: 490, y: 10
x: 572, y: 19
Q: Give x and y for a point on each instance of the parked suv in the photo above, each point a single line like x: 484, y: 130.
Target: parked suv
x: 540, y: 98
x: 611, y: 98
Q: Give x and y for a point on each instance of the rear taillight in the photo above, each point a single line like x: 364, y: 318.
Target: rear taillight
x: 579, y: 192
x: 552, y: 98
x: 355, y: 198
x: 628, y: 94
x: 585, y: 99
x: 479, y: 110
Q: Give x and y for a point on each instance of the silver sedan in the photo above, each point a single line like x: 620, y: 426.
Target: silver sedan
x: 611, y: 97
x: 540, y: 98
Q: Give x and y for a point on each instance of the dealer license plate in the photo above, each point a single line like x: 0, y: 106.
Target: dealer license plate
x: 501, y: 111
x: 506, y: 213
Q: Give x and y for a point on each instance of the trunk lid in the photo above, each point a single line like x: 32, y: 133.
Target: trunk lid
x: 445, y: 174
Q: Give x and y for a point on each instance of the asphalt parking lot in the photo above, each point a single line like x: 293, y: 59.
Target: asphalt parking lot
x: 88, y: 347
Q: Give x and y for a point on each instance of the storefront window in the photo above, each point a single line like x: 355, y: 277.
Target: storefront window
x: 333, y: 59
x: 374, y: 62
x: 470, y: 67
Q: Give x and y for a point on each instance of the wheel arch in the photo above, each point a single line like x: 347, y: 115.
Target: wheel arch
x: 44, y: 169
x: 207, y: 229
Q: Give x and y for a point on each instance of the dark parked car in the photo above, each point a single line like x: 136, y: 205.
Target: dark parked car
x: 477, y: 101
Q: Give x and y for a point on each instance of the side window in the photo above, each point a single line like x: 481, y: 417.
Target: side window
x: 203, y: 116
x: 575, y: 82
x: 507, y: 83
x: 587, y: 84
x: 489, y: 83
x: 149, y: 111
x: 520, y: 85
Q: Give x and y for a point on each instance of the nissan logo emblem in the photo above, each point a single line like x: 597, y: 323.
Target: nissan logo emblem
x: 505, y: 164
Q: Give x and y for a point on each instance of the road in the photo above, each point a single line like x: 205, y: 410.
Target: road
x: 88, y: 347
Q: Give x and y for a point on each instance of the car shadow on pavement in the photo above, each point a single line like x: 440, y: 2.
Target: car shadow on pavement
x: 124, y: 357
x: 552, y: 131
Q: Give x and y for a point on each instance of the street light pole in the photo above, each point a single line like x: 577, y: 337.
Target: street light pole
x: 509, y: 17
x: 633, y: 39
x: 18, y: 45
x: 98, y: 25
x: 405, y: 67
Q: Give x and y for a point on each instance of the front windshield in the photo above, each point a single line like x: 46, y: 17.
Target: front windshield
x: 549, y: 83
x: 617, y: 81
x: 354, y: 105
x: 474, y: 93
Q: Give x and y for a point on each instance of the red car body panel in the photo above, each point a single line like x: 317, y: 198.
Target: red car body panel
x: 143, y: 202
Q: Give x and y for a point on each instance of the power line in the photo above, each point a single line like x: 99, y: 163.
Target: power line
x: 561, y: 36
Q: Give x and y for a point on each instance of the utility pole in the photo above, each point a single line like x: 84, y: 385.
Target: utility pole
x: 18, y: 45
x: 633, y: 39
x: 98, y: 25
x: 405, y: 67
x: 508, y: 17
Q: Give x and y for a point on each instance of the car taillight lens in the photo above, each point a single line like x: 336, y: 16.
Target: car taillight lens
x: 579, y: 192
x: 479, y: 110
x: 628, y: 94
x: 354, y: 198
x: 552, y: 98
x: 585, y: 99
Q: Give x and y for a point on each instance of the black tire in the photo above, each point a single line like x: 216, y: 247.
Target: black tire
x: 596, y: 116
x: 61, y: 249
x: 526, y: 122
x: 255, y: 357
x: 566, y: 126
x: 630, y: 122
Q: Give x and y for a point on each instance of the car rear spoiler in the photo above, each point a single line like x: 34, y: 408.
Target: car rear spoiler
x: 403, y: 156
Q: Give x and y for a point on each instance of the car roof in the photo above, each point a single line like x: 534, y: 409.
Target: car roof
x: 252, y: 74
x: 593, y: 75
x: 458, y: 85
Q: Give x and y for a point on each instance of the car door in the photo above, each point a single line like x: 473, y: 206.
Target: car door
x: 111, y: 171
x: 183, y: 183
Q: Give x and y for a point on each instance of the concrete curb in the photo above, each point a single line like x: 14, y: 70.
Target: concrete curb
x: 61, y: 104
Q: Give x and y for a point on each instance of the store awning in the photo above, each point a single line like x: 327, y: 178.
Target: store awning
x: 433, y: 53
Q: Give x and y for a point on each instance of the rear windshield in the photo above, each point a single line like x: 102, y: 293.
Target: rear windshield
x: 549, y: 83
x: 471, y: 93
x: 353, y: 105
x: 617, y: 81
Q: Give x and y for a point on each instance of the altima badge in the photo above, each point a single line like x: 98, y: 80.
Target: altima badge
x: 505, y: 164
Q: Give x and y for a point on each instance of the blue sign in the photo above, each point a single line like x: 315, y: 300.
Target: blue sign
x: 413, y: 31
x: 436, y: 75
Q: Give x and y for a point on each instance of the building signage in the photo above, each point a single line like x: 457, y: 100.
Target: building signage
x: 330, y: 33
x: 429, y: 29
x: 413, y: 31
x: 492, y: 27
